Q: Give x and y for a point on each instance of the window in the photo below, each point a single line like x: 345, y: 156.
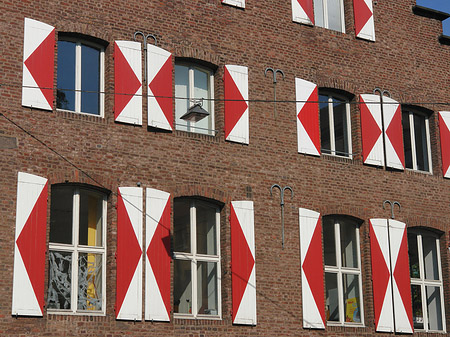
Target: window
x: 335, y: 125
x: 416, y: 140
x: 192, y: 84
x: 80, y: 81
x: 196, y: 289
x: 427, y: 293
x: 329, y: 14
x: 77, y: 248
x: 342, y: 271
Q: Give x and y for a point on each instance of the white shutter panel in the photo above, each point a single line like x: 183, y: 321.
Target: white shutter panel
x: 236, y: 3
x: 393, y: 131
x: 371, y: 129
x: 444, y: 132
x: 302, y: 11
x: 364, y: 23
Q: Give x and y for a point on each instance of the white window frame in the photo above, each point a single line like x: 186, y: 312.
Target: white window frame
x: 78, y: 44
x: 76, y: 249
x: 423, y: 283
x: 411, y: 114
x: 194, y: 258
x: 331, y: 126
x: 340, y: 271
x: 325, y: 15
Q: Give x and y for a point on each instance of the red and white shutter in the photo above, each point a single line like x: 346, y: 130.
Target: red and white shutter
x: 312, y: 269
x: 236, y: 3
x: 128, y: 82
x: 364, y: 23
x: 129, y: 254
x: 157, y: 265
x: 243, y: 277
x: 392, y: 114
x: 160, y: 88
x: 38, y: 65
x: 30, y: 245
x: 444, y: 131
x: 307, y: 108
x: 371, y: 129
x: 236, y: 104
x: 303, y: 11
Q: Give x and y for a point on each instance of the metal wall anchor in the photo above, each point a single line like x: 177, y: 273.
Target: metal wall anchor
x: 282, y: 207
x: 392, y: 206
x: 145, y: 49
x: 274, y: 72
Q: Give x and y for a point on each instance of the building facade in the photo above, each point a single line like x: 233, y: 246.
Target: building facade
x: 310, y: 199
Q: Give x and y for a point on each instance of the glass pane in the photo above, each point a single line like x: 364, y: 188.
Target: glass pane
x: 201, y: 90
x: 407, y: 139
x: 434, y: 308
x: 351, y: 298
x: 349, y: 245
x: 206, y: 229
x: 90, y: 80
x: 59, y: 280
x: 318, y: 13
x: 181, y: 225
x: 182, y: 289
x: 181, y: 91
x: 329, y: 242
x: 332, y: 297
x: 207, y: 288
x: 413, y: 252
x: 65, y: 93
x: 421, y: 142
x: 324, y: 124
x: 416, y: 297
x: 340, y: 127
x: 89, y: 281
x: 61, y: 215
x: 334, y: 15
x: 91, y: 211
x: 430, y: 263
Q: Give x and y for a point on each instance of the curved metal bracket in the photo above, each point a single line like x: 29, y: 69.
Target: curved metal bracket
x: 392, y: 204
x: 382, y: 92
x: 282, y: 190
x: 145, y: 37
x: 274, y: 73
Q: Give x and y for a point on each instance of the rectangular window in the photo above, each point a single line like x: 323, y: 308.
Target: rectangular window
x: 329, y: 14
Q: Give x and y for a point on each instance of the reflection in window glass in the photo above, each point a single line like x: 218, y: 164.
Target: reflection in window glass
x: 90, y: 233
x: 207, y: 288
x: 181, y: 226
x: 434, y: 308
x: 65, y: 93
x: 59, y: 280
x: 334, y: 15
x: 328, y: 14
x: 416, y: 298
x: 182, y: 288
x: 351, y: 298
x: 61, y: 215
x: 329, y: 244
x: 416, y: 140
x: 332, y: 297
x: 89, y: 281
x: 206, y: 229
x: 90, y: 80
x: 349, y: 246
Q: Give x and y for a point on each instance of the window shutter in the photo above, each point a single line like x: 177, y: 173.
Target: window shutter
x: 38, y: 65
x: 364, y: 23
x: 444, y: 131
x: 392, y: 114
x: 128, y: 82
x: 308, y: 134
x: 157, y: 266
x: 312, y: 269
x: 236, y: 104
x: 160, y: 91
x: 371, y: 126
x: 243, y: 277
x: 30, y: 246
x: 129, y: 254
x: 237, y: 3
x: 302, y: 11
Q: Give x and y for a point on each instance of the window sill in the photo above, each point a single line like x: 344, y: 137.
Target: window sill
x: 346, y: 325
x: 336, y: 157
x: 201, y: 136
x: 80, y: 116
x: 78, y: 313
x: 199, y: 317
x: 412, y: 171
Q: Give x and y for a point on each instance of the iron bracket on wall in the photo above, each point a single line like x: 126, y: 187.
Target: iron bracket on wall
x: 282, y: 206
x: 274, y: 73
x: 145, y: 49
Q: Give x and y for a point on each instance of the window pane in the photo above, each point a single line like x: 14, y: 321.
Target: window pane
x: 329, y: 242
x: 90, y: 80
x: 430, y: 263
x: 421, y: 142
x: 413, y: 256
x: 65, y: 93
x: 182, y: 289
x: 201, y: 90
x: 416, y: 297
x: 59, y: 280
x: 181, y: 226
x: 207, y: 288
x: 318, y: 13
x: 324, y: 124
x: 334, y: 15
x: 340, y: 127
x: 181, y: 91
x: 89, y: 281
x: 349, y: 245
x: 61, y: 215
x: 91, y: 207
x: 332, y: 297
x: 351, y: 298
x: 407, y: 140
x: 434, y: 308
x: 206, y: 229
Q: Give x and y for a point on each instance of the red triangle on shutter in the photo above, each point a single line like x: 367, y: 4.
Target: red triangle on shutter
x: 445, y: 144
x: 41, y: 65
x: 161, y: 86
x: 31, y: 245
x: 129, y: 252
x: 362, y: 14
x: 369, y: 128
x: 394, y: 132
x: 125, y: 80
x: 235, y: 108
x: 309, y: 117
x: 158, y: 254
x: 307, y: 6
